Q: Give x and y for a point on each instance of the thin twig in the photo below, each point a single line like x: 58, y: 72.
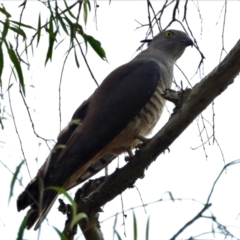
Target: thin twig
x: 223, y: 30
x: 199, y: 215
x: 30, y: 118
x: 59, y: 89
x: 123, y: 215
x: 15, y: 126
x: 141, y: 198
x: 86, y: 62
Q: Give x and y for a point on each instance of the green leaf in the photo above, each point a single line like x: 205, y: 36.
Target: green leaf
x: 23, y: 226
x: 77, y: 218
x: 76, y: 59
x: 19, y: 31
x: 26, y: 50
x: 68, y: 10
x: 72, y: 27
x: 64, y: 192
x: 5, y: 30
x: 147, y: 229
x: 118, y: 235
x: 171, y: 196
x: 60, y: 19
x: 52, y: 38
x: 39, y: 29
x: 14, y: 180
x: 61, y: 235
x: 89, y: 5
x: 22, y: 24
x: 4, y: 11
x: 96, y: 45
x: 9, y: 87
x: 1, y: 64
x: 134, y: 227
x: 17, y: 65
x: 86, y: 7
x: 114, y: 225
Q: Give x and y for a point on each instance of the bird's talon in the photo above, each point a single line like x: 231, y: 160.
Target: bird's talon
x: 128, y: 158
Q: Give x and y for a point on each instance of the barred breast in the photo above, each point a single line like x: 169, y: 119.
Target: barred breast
x: 142, y: 124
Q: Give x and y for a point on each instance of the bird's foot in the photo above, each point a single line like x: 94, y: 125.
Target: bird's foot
x: 130, y: 155
x: 165, y: 150
x: 143, y: 139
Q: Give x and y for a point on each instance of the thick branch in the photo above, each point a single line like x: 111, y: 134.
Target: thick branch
x: 90, y: 227
x: 197, y: 100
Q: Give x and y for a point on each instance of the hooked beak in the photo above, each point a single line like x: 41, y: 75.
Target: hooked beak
x: 187, y: 42
x: 146, y: 41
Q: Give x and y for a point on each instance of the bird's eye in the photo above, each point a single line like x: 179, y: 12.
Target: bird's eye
x: 168, y: 34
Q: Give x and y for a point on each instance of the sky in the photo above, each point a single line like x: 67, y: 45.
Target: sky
x: 184, y: 171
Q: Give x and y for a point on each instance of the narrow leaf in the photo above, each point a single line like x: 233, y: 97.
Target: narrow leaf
x: 114, y: 225
x: 72, y: 27
x: 171, y: 196
x: 64, y: 192
x: 14, y: 180
x: 68, y: 9
x: 39, y: 29
x: 60, y: 234
x: 85, y: 11
x: 147, y: 229
x: 9, y: 87
x: 77, y: 218
x: 76, y: 59
x: 60, y: 19
x: 1, y: 64
x: 5, y: 30
x: 22, y: 24
x: 118, y: 235
x: 89, y: 5
x: 4, y: 11
x: 52, y: 37
x: 134, y: 227
x: 17, y: 65
x: 26, y: 50
x: 23, y: 226
x: 96, y: 45
x: 19, y: 31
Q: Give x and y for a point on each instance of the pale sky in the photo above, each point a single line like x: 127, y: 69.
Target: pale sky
x: 184, y: 172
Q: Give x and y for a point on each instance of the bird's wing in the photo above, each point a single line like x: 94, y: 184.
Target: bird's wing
x: 118, y: 100
x: 103, y: 116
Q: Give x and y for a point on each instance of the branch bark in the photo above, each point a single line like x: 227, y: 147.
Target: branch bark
x: 198, y: 98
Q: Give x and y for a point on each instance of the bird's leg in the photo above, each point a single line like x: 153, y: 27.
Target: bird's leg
x: 130, y: 154
x: 143, y: 139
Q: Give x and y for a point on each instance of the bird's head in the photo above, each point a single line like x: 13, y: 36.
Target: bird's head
x: 172, y: 42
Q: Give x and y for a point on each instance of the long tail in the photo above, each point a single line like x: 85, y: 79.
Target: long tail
x: 34, y: 197
x: 39, y: 201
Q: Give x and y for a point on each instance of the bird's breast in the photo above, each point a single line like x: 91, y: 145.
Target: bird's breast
x: 142, y: 124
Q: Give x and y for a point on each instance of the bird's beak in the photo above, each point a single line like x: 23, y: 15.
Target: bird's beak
x: 187, y: 42
x: 146, y: 41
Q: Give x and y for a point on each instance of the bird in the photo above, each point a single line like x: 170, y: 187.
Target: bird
x: 115, y: 119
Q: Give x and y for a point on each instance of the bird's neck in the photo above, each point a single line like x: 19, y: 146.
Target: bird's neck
x: 165, y: 62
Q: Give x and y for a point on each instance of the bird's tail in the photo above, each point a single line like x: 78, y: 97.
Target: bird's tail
x: 39, y: 201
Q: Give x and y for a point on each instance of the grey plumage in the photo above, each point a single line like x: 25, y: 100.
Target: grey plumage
x: 126, y: 105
